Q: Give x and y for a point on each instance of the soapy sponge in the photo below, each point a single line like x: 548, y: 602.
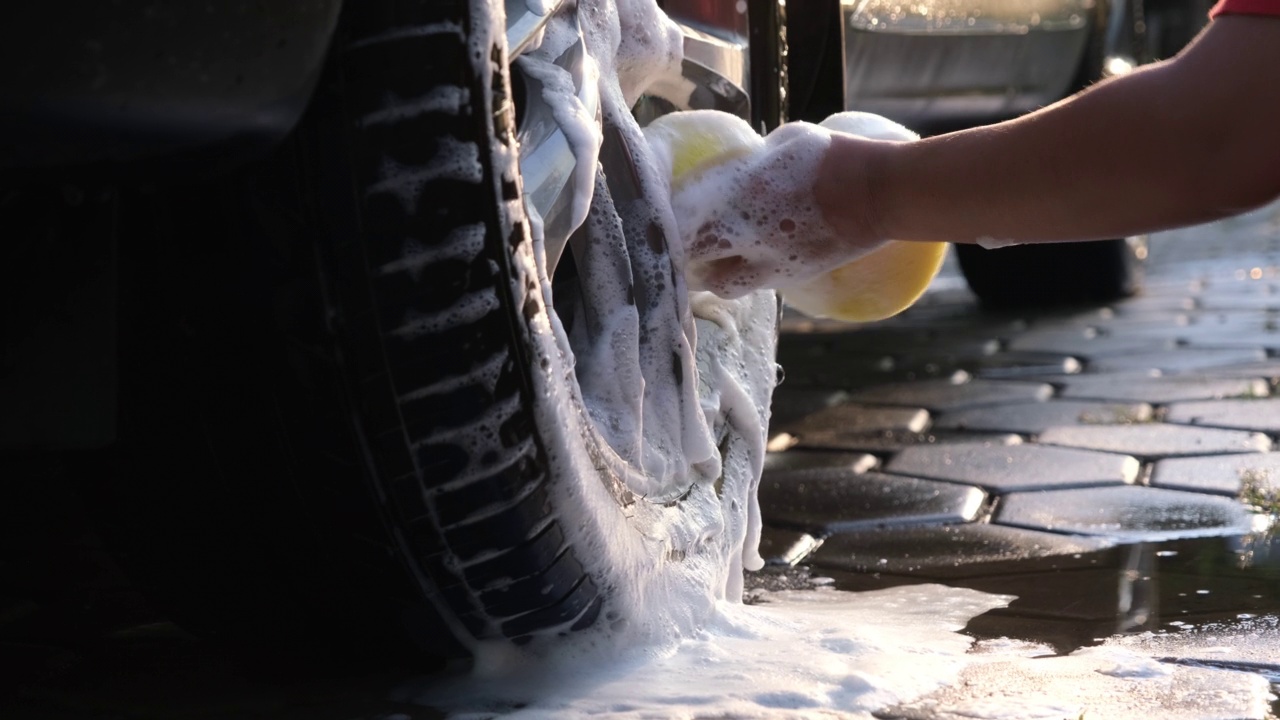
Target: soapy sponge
x: 881, y: 283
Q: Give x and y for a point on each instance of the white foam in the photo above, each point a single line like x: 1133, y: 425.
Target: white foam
x: 453, y: 160
x: 752, y: 221
x: 799, y: 654
x: 648, y: 501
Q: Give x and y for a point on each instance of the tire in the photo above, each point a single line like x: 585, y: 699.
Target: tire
x: 351, y: 426
x: 1171, y: 24
x: 1056, y: 274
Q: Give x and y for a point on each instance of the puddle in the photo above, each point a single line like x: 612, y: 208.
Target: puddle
x: 1186, y: 628
x: 793, y: 654
x: 1196, y: 602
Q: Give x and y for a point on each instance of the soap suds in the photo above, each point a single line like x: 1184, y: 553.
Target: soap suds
x: 658, y: 500
x: 798, y: 654
x: 751, y: 221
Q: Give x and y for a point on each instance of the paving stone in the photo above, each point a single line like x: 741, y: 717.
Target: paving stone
x: 796, y: 459
x: 1264, y: 371
x: 1221, y: 474
x: 886, y: 441
x: 1156, y: 325
x: 951, y: 551
x: 1159, y: 303
x: 1036, y: 417
x: 785, y: 547
x: 1262, y: 414
x: 780, y: 442
x: 791, y: 404
x: 940, y: 395
x: 930, y: 365
x: 1241, y: 302
x: 855, y: 372
x: 1013, y: 468
x: 830, y: 374
x: 1085, y: 343
x: 1134, y: 387
x: 1156, y: 440
x: 857, y: 418
x: 1232, y: 338
x: 1179, y: 360
x: 1185, y: 327
x: 1126, y: 513
x: 834, y: 501
x: 890, y: 340
x: 1016, y: 365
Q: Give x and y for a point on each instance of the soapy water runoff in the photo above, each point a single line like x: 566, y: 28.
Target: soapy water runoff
x: 685, y: 649
x: 1154, y: 634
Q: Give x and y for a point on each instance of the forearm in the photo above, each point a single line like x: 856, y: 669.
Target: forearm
x: 1186, y: 141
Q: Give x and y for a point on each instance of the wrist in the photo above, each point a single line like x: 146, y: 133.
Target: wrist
x: 846, y: 191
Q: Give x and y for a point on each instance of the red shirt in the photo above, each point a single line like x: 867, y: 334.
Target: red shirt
x: 1245, y: 7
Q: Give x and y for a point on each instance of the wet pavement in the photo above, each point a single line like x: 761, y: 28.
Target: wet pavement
x: 1113, y: 467
x: 1105, y: 465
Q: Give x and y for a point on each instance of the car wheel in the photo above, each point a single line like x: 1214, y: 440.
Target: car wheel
x: 1171, y: 24
x: 356, y: 419
x: 1052, y: 274
x: 1059, y: 273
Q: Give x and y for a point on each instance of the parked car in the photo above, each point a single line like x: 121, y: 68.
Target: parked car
x: 273, y: 311
x: 948, y: 64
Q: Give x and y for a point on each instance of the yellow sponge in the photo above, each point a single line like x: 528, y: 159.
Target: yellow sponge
x: 877, y: 285
x: 885, y: 281
x: 694, y: 140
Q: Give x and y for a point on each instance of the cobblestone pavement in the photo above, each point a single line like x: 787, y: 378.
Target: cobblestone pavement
x: 1071, y: 457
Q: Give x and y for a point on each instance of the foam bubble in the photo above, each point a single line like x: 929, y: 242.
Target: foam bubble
x: 751, y: 220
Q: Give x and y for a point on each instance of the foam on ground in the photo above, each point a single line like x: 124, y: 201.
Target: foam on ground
x: 799, y: 654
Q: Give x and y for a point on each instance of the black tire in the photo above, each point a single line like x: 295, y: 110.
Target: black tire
x: 1059, y: 273
x: 1171, y: 24
x: 1056, y: 274
x: 338, y: 431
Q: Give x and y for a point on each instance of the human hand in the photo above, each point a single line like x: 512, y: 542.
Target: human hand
x: 791, y: 211
x: 754, y: 220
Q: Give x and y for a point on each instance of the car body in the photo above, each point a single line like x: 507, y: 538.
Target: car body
x: 188, y: 193
x: 136, y: 98
x: 945, y: 64
x: 955, y: 62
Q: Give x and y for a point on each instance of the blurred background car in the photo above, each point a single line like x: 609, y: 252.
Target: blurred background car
x: 942, y: 65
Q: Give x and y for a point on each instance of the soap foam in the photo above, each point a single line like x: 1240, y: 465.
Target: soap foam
x: 655, y: 481
x: 751, y: 221
x: 799, y: 654
x: 750, y: 216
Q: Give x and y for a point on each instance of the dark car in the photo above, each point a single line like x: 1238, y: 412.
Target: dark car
x: 307, y: 321
x: 304, y: 311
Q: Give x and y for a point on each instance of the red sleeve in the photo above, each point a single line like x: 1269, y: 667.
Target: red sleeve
x: 1245, y: 7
